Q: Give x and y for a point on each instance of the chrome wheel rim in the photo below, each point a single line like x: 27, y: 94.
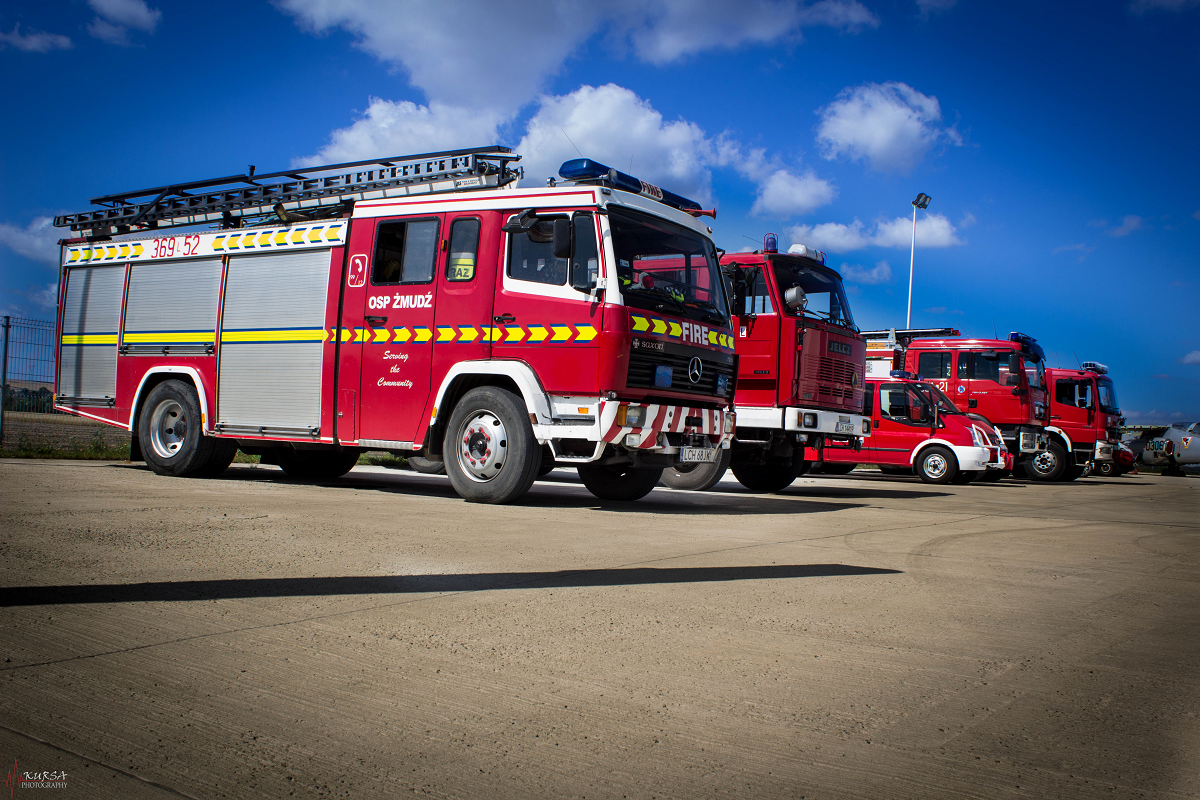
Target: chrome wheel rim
x: 936, y: 465
x: 168, y: 429
x: 482, y: 446
x: 1044, y: 462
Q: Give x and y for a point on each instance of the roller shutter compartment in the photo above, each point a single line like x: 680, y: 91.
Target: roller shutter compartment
x: 272, y: 339
x: 172, y: 307
x: 87, y: 367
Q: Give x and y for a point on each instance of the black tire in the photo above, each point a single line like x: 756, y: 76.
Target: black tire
x: 1107, y: 469
x: 1048, y: 466
x: 896, y: 472
x: 169, y: 430
x: 699, y: 477
x: 828, y: 468
x: 427, y: 466
x: 619, y: 481
x: 966, y: 476
x: 489, y: 450
x: 317, y: 465
x: 768, y: 477
x: 992, y: 475
x: 936, y: 465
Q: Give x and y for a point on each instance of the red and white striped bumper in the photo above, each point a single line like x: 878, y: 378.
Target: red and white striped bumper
x: 716, y: 424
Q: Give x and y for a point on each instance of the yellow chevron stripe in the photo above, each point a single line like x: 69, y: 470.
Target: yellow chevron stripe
x: 334, y: 234
x: 712, y: 337
x: 298, y: 236
x: 125, y: 250
x: 561, y: 333
x: 640, y: 323
x: 89, y: 338
x: 469, y: 333
x: 281, y: 237
x: 423, y: 334
x: 660, y: 325
x: 137, y: 250
x: 537, y: 333
x: 168, y: 336
x: 264, y: 238
x: 586, y: 333
x: 491, y: 334
x: 219, y: 243
x: 676, y: 330
x: 515, y: 334
x: 74, y: 256
x: 314, y: 235
x: 381, y: 335
x: 401, y: 335
x: 446, y: 333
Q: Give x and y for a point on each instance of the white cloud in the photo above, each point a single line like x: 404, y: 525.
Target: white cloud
x: 856, y: 273
x: 129, y: 13
x: 34, y: 41
x: 891, y: 126
x: 933, y: 230
x: 392, y: 129
x: 504, y: 65
x: 1128, y: 225
x: 1191, y: 358
x: 38, y: 241
x: 785, y: 194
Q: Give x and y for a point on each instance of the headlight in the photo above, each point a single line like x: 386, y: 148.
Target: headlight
x: 730, y: 419
x: 810, y: 420
x: 977, y: 437
x: 866, y: 426
x: 635, y: 416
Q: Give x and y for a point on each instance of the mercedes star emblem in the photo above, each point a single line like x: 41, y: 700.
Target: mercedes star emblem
x: 695, y: 369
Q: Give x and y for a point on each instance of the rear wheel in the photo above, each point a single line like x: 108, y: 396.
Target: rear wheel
x: 837, y: 469
x: 936, y: 465
x: 1049, y: 465
x: 619, y: 481
x: 698, y: 477
x: 769, y: 477
x: 169, y: 430
x: 427, y: 466
x: 317, y: 465
x: 490, y: 452
x: 1107, y: 469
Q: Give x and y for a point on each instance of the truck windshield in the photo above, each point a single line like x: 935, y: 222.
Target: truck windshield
x: 1108, y: 396
x: 822, y: 288
x: 666, y: 268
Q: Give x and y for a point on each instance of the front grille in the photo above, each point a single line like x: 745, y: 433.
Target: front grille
x: 836, y: 379
x: 642, y: 364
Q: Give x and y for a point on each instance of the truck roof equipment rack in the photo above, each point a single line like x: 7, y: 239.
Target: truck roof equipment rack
x: 903, y: 336
x: 1094, y: 366
x: 307, y: 192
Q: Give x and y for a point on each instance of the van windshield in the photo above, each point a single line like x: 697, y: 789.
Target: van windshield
x: 1108, y: 396
x: 666, y: 268
x: 826, y: 299
x: 936, y: 396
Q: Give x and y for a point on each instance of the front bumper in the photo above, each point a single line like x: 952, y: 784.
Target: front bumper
x: 1104, y: 451
x: 977, y: 459
x: 712, y: 424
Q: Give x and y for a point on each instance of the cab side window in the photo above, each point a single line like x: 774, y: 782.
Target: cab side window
x: 933, y: 365
x: 585, y: 267
x: 983, y: 366
x: 900, y: 403
x: 758, y: 296
x: 405, y: 252
x: 464, y: 250
x: 531, y: 256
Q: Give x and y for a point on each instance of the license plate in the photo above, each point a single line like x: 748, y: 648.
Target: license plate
x: 697, y: 455
x: 844, y: 427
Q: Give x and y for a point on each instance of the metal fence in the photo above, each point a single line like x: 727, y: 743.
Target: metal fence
x: 28, y: 421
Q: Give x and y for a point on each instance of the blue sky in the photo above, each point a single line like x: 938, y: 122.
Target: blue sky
x: 1057, y: 140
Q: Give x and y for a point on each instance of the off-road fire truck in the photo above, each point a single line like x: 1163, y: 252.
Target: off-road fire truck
x: 800, y: 374
x: 417, y: 305
x: 1001, y: 380
x: 1085, y: 419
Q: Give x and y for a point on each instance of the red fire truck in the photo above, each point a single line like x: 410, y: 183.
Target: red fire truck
x: 418, y: 305
x: 1085, y: 420
x: 800, y: 374
x: 916, y: 428
x: 1002, y: 380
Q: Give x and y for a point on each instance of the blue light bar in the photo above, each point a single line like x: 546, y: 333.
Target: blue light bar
x: 1028, y: 345
x: 584, y: 169
x: 899, y: 373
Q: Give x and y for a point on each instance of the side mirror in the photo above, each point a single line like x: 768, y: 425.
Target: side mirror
x: 1012, y: 379
x: 520, y: 222
x: 1014, y: 363
x: 561, y: 246
x: 795, y: 299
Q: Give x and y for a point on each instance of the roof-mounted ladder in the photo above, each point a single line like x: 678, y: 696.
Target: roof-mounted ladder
x: 300, y: 194
x: 903, y: 336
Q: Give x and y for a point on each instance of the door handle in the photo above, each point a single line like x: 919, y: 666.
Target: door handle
x: 504, y: 318
x: 1055, y: 416
x: 376, y: 320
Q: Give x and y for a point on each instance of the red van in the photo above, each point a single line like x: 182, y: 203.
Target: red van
x: 916, y: 428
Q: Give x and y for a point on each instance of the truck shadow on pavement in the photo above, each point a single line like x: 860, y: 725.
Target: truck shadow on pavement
x: 183, y: 591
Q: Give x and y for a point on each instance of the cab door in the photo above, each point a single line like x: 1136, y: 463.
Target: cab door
x: 395, y: 325
x: 983, y: 374
x: 758, y: 345
x: 466, y: 281
x: 900, y: 424
x: 1074, y: 404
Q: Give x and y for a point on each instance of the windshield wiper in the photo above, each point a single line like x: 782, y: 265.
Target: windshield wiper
x: 711, y: 309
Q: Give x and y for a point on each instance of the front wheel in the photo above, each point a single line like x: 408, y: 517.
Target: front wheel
x: 1107, y: 469
x: 769, y: 477
x: 427, y: 466
x: 619, y: 481
x: 171, y: 439
x: 936, y: 465
x: 699, y: 477
x: 490, y: 452
x: 1049, y: 465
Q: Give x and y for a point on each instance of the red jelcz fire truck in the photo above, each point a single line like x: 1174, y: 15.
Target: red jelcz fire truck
x: 418, y: 305
x: 1002, y: 380
x: 1085, y: 420
x: 800, y: 374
